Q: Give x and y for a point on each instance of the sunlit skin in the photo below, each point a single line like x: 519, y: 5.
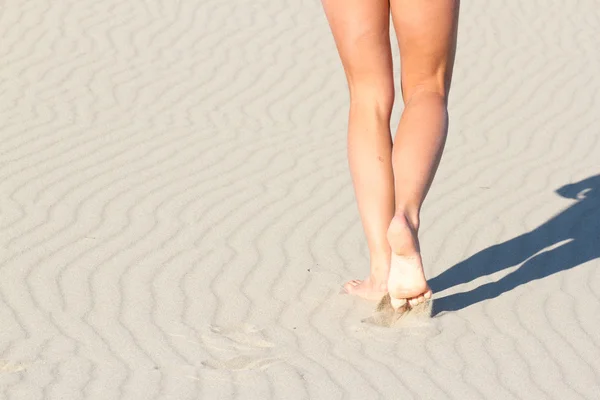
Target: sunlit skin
x: 391, y: 179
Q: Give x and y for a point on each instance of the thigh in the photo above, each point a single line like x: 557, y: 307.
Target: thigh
x: 361, y: 32
x: 426, y: 32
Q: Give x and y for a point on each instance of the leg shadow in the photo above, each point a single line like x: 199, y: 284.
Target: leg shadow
x: 579, y: 224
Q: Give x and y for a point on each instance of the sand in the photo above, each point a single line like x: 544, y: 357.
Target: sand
x: 177, y: 216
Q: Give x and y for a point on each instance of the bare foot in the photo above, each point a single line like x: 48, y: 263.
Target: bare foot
x: 366, y: 289
x: 406, y: 281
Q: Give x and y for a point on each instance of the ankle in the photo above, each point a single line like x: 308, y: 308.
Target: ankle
x: 378, y: 281
x: 409, y: 216
x: 379, y: 252
x: 380, y: 270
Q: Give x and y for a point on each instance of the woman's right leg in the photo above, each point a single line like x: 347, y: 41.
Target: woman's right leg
x: 426, y: 31
x: 361, y: 32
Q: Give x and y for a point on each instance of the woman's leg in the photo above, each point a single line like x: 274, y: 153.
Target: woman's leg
x: 426, y: 31
x: 361, y: 32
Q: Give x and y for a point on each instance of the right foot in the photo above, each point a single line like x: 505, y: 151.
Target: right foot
x: 406, y: 281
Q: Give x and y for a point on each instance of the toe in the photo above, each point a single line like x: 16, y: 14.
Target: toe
x: 428, y: 294
x: 350, y: 286
x: 397, y: 303
x: 413, y: 302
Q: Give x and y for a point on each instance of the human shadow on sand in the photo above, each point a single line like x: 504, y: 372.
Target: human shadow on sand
x: 574, y: 233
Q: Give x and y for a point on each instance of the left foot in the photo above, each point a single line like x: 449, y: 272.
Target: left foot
x: 367, y: 289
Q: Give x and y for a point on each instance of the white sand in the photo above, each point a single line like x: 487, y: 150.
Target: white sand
x: 176, y: 213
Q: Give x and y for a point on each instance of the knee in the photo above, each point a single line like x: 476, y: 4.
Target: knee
x: 372, y: 95
x: 431, y: 87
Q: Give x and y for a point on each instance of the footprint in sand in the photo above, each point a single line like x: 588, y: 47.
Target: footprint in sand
x: 11, y: 366
x: 242, y: 363
x: 252, y: 351
x: 244, y: 338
